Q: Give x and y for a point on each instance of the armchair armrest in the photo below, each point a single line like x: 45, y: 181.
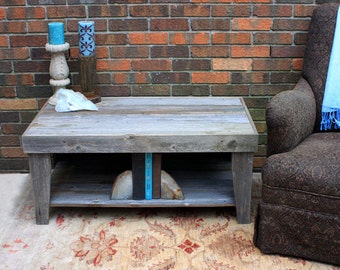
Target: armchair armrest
x: 290, y: 117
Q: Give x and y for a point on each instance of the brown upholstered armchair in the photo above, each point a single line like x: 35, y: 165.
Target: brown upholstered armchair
x: 300, y: 210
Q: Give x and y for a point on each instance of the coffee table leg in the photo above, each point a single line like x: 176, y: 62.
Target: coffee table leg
x: 242, y: 168
x: 40, y: 170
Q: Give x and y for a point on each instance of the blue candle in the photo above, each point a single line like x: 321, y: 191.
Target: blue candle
x: 86, y: 38
x: 56, y: 33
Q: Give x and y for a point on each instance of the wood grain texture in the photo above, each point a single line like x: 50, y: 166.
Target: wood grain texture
x: 139, y: 125
x: 158, y: 125
x: 40, y: 170
x: 242, y: 169
x: 84, y: 186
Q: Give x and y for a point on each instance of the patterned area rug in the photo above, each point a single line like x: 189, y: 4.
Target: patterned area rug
x: 121, y: 238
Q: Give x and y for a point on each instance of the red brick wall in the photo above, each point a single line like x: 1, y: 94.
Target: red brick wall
x: 243, y: 48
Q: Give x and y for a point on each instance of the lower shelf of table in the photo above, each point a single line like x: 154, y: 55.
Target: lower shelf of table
x: 90, y: 186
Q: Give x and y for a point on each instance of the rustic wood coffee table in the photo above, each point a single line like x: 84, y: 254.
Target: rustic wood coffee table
x: 142, y: 125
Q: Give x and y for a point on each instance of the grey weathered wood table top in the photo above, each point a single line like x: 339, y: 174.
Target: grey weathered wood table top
x: 145, y: 124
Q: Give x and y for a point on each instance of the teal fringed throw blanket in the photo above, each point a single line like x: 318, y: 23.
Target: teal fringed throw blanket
x: 331, y: 100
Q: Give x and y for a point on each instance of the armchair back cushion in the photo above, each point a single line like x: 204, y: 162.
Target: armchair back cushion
x: 317, y: 54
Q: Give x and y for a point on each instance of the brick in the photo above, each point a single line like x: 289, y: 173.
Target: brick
x: 6, y: 117
x: 288, y: 51
x: 149, y: 11
x: 290, y: 25
x: 190, y: 90
x: 14, y: 54
x: 46, y: 2
x: 13, y: 129
x: 129, y: 51
x: 272, y: 64
x: 77, y: 2
x: 257, y: 114
x: 28, y: 40
x: 9, y: 140
x: 209, y: 51
x: 210, y: 77
x: 27, y: 116
x: 231, y: 11
x: 273, y: 10
x: 12, y: 2
x: 150, y: 64
x: 287, y: 77
x: 101, y: 52
x: 210, y: 24
x: 300, y: 38
x: 128, y: 77
x: 297, y: 64
x: 2, y: 13
x: 251, y: 24
x: 18, y: 104
x: 14, y: 165
x: 13, y: 79
x: 128, y: 25
x: 12, y: 152
x: 17, y: 13
x: 114, y: 91
x: 189, y: 64
x: 39, y: 54
x: 151, y: 90
x: 230, y: 90
x: 258, y: 162
x: 250, y: 51
x: 4, y: 41
x: 12, y: 27
x: 231, y: 64
x: 107, y: 11
x: 148, y: 38
x: 113, y: 39
x: 303, y: 11
x: 170, y: 51
x: 190, y: 38
x: 34, y: 92
x: 6, y: 67
x: 254, y: 77
x: 273, y: 38
x: 110, y: 65
x: 256, y: 102
x: 169, y: 24
x: 42, y: 79
x: 31, y: 66
x: 55, y: 12
x: 231, y: 38
x: 7, y: 92
x: 170, y: 77
x: 190, y: 10
x: 100, y: 25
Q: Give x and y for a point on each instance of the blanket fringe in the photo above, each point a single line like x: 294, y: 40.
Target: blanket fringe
x: 330, y: 119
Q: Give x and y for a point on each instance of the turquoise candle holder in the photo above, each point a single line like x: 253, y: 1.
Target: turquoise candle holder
x: 56, y: 33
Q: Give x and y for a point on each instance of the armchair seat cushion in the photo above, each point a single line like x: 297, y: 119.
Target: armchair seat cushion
x: 300, y: 210
x: 300, y: 233
x: 306, y: 177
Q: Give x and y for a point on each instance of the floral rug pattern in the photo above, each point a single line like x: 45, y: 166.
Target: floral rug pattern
x: 127, y: 238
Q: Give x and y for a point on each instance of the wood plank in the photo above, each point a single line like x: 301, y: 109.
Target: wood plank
x: 156, y: 175
x: 40, y: 171
x: 138, y: 176
x: 80, y: 185
x: 154, y: 125
x: 242, y: 167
